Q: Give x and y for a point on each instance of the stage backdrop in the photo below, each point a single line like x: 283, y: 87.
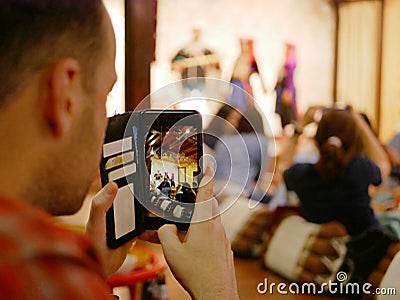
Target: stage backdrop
x: 310, y: 25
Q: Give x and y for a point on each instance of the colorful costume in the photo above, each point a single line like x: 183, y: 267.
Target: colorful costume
x: 242, y: 94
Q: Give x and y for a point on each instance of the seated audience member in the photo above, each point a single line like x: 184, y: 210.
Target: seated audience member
x: 58, y: 65
x: 394, y: 145
x: 241, y: 157
x: 393, y: 148
x: 336, y: 187
x: 226, y: 118
x: 186, y: 194
x: 165, y: 187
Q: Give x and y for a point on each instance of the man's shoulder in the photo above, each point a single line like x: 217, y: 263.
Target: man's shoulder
x: 46, y: 259
x: 301, y: 168
x: 298, y: 173
x: 362, y: 161
x: 31, y: 233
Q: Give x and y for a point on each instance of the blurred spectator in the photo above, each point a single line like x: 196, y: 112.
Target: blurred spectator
x: 336, y: 187
x: 241, y: 158
x: 393, y: 148
x: 186, y: 194
x: 226, y: 119
x: 165, y: 187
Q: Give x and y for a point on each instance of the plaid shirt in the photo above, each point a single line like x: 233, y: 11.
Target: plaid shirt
x: 42, y: 260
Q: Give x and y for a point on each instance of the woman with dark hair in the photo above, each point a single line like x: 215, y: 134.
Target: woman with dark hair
x: 336, y: 187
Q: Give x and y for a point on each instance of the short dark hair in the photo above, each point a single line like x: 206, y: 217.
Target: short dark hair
x: 36, y: 33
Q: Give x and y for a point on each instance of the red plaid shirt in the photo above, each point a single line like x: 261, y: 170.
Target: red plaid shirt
x: 42, y: 260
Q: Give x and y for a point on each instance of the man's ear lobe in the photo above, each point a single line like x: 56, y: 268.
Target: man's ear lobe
x: 64, y: 85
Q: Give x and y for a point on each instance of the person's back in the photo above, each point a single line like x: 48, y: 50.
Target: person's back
x: 344, y: 199
x: 336, y: 187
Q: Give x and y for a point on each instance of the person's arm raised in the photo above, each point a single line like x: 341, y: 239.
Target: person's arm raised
x: 372, y: 146
x: 203, y: 260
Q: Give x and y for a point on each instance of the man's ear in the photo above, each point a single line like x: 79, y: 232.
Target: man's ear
x: 64, y: 85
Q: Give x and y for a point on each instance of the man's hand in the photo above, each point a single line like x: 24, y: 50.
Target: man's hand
x: 203, y: 261
x: 111, y: 259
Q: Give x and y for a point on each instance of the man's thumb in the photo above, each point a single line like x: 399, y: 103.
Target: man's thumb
x: 168, y: 236
x: 103, y: 200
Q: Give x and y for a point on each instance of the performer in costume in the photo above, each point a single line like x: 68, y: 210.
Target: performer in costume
x: 193, y: 61
x: 285, y: 89
x: 245, y: 66
x: 242, y: 93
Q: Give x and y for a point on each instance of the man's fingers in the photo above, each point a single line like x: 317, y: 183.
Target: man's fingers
x: 205, y: 197
x: 105, y: 197
x: 168, y: 235
x: 102, y: 202
x: 206, y: 187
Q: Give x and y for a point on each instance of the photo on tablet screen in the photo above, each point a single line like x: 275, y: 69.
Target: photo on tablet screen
x: 172, y: 160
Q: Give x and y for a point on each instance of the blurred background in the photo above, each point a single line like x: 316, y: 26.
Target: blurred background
x: 346, y: 51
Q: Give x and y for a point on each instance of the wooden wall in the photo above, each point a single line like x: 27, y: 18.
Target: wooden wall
x: 140, y: 27
x: 379, y: 97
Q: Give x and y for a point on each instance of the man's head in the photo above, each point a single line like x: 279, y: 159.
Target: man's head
x: 35, y: 33
x: 57, y: 61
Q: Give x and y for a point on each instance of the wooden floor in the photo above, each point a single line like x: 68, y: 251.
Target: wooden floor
x: 249, y: 274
